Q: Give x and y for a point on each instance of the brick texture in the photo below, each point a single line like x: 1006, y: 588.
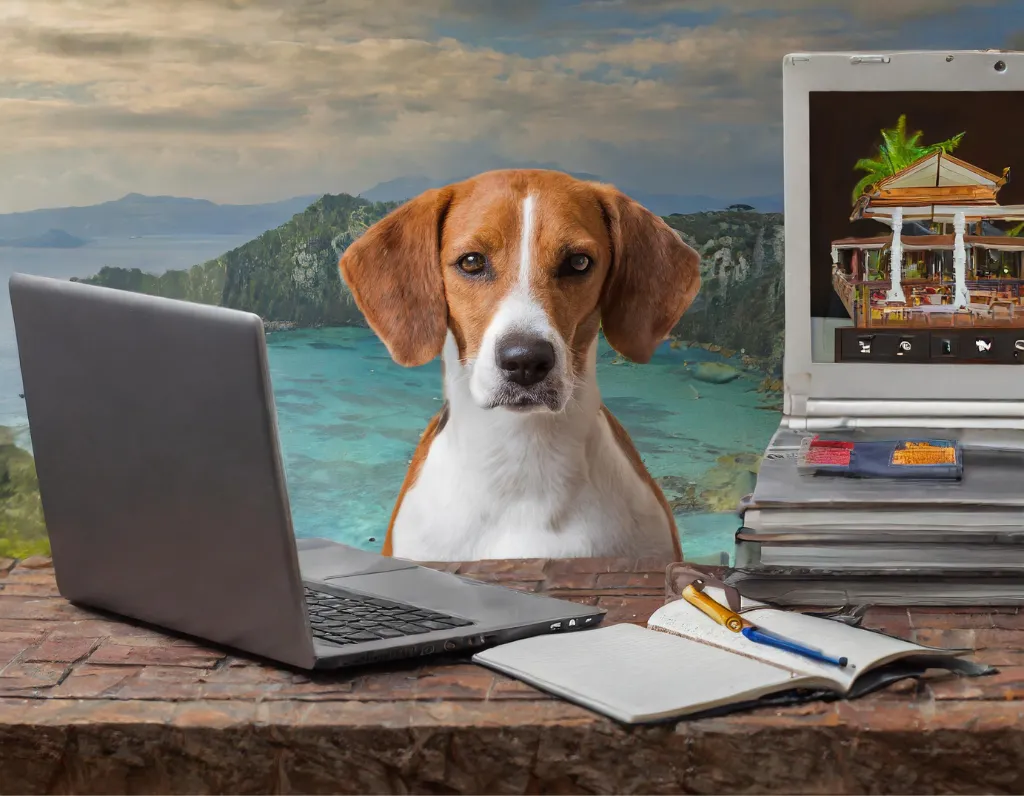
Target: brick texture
x: 86, y: 702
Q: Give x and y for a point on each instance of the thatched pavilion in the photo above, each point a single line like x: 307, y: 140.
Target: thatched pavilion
x: 942, y: 261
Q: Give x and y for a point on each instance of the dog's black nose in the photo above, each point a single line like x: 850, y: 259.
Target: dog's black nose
x: 525, y: 360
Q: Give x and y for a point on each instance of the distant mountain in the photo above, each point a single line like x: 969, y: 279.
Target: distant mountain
x: 670, y: 204
x: 663, y: 204
x: 400, y: 189
x: 138, y: 215
x: 51, y: 239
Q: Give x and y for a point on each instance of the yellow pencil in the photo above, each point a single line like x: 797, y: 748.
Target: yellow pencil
x: 695, y: 596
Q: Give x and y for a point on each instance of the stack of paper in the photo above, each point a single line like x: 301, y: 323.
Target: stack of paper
x: 830, y: 539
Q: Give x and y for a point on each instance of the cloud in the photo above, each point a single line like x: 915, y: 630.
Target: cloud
x: 245, y: 100
x: 236, y: 121
x: 874, y: 11
x: 78, y: 45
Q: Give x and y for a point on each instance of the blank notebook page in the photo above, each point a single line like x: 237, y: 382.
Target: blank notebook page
x: 633, y: 674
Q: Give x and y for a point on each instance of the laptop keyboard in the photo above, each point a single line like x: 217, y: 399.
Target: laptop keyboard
x: 356, y: 618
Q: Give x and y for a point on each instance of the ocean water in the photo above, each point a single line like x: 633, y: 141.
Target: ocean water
x: 350, y: 419
x: 152, y: 254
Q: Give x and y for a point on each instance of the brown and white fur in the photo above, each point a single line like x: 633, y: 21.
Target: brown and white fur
x: 509, y: 275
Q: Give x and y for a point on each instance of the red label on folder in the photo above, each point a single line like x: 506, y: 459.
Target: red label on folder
x: 828, y: 455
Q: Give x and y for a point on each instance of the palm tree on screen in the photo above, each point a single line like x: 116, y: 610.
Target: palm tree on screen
x: 897, y: 151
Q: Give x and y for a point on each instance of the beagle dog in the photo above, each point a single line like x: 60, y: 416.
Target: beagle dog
x: 509, y: 275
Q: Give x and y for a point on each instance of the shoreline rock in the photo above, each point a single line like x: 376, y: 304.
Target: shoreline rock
x: 279, y: 326
x: 716, y: 372
x: 718, y: 490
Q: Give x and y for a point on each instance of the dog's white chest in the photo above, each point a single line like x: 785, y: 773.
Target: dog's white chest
x: 528, y: 497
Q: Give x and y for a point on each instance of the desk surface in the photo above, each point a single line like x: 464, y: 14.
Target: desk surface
x: 92, y: 705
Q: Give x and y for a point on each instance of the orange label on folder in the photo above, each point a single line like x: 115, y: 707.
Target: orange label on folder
x: 923, y: 453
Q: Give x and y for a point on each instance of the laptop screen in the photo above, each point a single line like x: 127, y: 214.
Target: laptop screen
x: 917, y: 227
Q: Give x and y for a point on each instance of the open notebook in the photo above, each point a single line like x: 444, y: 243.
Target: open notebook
x: 687, y: 664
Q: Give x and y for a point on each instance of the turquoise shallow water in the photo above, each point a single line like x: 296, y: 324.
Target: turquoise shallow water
x: 350, y: 418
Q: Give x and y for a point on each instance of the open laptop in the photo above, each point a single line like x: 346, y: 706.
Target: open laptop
x: 904, y: 275
x: 156, y: 445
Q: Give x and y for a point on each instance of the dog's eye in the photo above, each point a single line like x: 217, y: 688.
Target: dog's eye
x: 472, y: 263
x: 575, y: 265
x: 579, y: 262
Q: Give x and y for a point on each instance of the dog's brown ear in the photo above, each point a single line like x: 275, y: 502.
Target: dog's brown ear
x: 654, y: 277
x: 394, y: 273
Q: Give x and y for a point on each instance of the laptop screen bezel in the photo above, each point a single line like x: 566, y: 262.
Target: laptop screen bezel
x: 945, y: 71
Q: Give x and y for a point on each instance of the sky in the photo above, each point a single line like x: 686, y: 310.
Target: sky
x: 242, y: 101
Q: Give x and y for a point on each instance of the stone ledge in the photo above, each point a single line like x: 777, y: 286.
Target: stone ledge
x: 92, y: 704
x: 435, y: 748
x: 863, y: 716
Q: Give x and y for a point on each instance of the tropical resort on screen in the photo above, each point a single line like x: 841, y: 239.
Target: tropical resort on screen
x: 950, y: 254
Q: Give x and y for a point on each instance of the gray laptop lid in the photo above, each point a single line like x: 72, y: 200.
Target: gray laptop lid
x: 852, y: 392
x: 156, y: 445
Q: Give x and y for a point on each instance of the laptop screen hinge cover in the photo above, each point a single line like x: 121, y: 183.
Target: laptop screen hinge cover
x: 794, y: 404
x: 808, y: 413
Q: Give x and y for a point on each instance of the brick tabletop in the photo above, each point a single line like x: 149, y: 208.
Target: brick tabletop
x: 91, y: 705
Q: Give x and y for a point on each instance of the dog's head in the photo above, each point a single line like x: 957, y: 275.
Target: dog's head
x: 523, y: 267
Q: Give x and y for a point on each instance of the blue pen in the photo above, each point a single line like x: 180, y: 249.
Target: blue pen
x: 769, y: 640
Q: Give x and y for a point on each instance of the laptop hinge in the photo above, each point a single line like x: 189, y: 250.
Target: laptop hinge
x: 794, y: 405
x: 820, y: 414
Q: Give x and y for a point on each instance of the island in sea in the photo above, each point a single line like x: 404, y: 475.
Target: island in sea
x: 51, y: 239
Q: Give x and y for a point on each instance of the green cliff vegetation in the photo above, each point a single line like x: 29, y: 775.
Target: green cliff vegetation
x: 741, y: 304
x: 287, y: 274
x: 22, y: 529
x: 202, y: 283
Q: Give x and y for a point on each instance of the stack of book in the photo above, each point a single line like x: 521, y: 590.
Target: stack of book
x: 813, y: 537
